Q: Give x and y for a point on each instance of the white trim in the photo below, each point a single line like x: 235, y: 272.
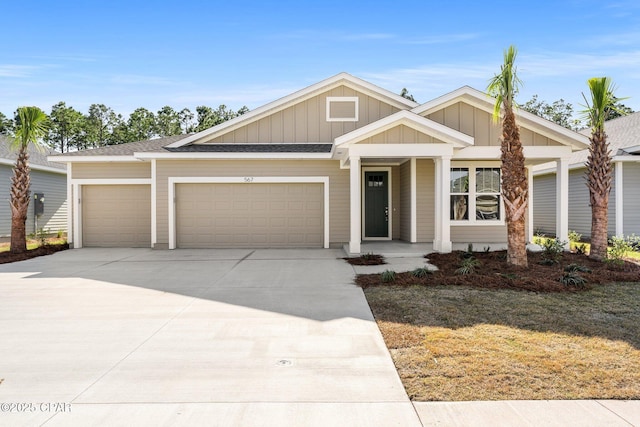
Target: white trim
x: 400, y: 150
x: 173, y: 180
x: 70, y: 207
x: 389, y: 200
x: 35, y: 167
x: 414, y: 201
x: 355, y: 204
x: 77, y: 199
x: 61, y: 158
x: 154, y: 203
x: 473, y: 221
x: 562, y: 200
x: 297, y: 97
x: 619, y: 183
x: 356, y: 106
x: 244, y: 156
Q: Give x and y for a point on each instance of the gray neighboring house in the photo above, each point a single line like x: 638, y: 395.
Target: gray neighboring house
x: 47, y: 177
x: 624, y: 201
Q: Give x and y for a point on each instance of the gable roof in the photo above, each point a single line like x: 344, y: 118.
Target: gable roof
x: 412, y: 120
x: 297, y: 97
x: 37, y: 159
x: 525, y: 119
x: 127, y: 149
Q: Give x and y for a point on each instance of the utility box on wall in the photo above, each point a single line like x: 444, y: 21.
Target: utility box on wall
x: 38, y: 204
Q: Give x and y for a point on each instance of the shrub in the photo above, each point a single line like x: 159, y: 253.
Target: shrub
x: 552, y: 251
x: 619, y: 247
x: 388, y: 276
x: 581, y: 249
x: 574, y: 268
x: 421, y: 272
x: 573, y: 279
x: 468, y: 266
x: 574, y: 236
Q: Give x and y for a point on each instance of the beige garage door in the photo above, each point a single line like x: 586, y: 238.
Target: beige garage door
x: 116, y: 216
x: 249, y: 215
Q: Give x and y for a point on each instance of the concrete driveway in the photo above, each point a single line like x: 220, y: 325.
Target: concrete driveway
x: 193, y: 337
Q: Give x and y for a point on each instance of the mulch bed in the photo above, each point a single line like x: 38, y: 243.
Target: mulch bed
x: 368, y: 259
x: 7, y: 257
x: 494, y: 272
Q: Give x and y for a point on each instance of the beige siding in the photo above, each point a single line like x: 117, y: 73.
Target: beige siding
x: 338, y: 185
x: 425, y: 181
x: 544, y: 204
x: 631, y: 210
x: 479, y: 234
x: 395, y: 202
x: 479, y: 124
x: 307, y: 121
x: 401, y: 134
x: 404, y: 216
x: 111, y: 170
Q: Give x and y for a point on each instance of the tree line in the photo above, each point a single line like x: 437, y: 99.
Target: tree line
x: 71, y: 130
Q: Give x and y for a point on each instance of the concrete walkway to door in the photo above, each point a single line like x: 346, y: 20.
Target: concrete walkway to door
x: 193, y: 337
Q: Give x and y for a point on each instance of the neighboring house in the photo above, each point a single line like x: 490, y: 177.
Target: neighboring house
x: 47, y: 178
x: 338, y: 162
x: 624, y: 201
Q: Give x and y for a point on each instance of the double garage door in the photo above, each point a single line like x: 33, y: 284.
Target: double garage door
x: 208, y: 215
x: 245, y: 215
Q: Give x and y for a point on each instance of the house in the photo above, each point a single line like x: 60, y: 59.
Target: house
x: 338, y: 162
x: 47, y: 178
x: 624, y: 200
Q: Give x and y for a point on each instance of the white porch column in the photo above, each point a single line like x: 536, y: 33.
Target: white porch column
x: 355, y: 204
x: 530, y: 205
x: 618, y: 182
x: 70, y: 205
x: 442, y: 238
x: 414, y: 201
x: 562, y: 200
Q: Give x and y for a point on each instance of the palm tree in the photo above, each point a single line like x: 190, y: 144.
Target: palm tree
x: 599, y: 168
x: 31, y: 127
x: 515, y: 188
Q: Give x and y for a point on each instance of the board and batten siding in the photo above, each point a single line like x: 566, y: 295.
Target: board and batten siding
x: 306, y: 121
x: 339, y: 211
x: 479, y: 124
x: 54, y: 187
x: 631, y: 198
x: 111, y: 170
x: 401, y: 135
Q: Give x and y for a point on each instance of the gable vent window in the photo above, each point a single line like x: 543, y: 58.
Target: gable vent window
x: 342, y: 109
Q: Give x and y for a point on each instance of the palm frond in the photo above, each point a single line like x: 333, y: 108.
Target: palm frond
x: 505, y: 85
x: 31, y: 127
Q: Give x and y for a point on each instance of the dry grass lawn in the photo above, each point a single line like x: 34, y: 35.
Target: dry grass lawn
x: 456, y: 343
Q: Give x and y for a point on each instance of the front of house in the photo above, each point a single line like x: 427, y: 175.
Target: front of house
x: 338, y: 162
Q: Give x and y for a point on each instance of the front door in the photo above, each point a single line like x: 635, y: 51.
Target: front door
x: 376, y: 205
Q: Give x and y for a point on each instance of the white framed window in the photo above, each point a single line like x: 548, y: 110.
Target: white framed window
x: 475, y: 196
x: 342, y: 108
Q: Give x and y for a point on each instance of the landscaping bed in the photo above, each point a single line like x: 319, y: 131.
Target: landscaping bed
x: 47, y: 249
x: 366, y: 259
x: 493, y: 272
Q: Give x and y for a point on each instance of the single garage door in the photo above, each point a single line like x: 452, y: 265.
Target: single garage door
x: 116, y: 216
x: 249, y: 215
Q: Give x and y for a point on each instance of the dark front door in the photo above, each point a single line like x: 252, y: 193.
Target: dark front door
x: 376, y: 204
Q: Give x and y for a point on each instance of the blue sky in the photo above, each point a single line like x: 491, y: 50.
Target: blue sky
x: 129, y: 54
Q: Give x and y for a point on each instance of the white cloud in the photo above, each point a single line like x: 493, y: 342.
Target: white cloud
x: 17, y: 71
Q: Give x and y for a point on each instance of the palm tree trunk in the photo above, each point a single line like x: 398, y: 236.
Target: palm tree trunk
x: 514, y: 190
x: 20, y: 195
x: 599, y: 177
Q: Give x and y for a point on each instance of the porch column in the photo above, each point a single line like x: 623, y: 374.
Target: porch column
x: 414, y: 201
x: 619, y: 202
x: 442, y: 240
x: 562, y: 200
x: 355, y: 204
x: 530, y: 205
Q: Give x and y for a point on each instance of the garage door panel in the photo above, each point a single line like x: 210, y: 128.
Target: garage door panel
x: 116, y: 215
x: 250, y: 215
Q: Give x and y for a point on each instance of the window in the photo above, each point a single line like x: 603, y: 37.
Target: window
x: 342, y: 108
x: 475, y: 195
